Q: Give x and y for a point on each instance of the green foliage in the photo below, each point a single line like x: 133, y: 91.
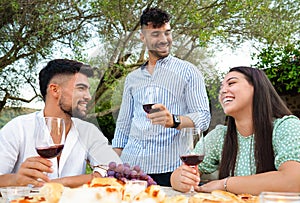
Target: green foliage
x: 31, y: 31
x: 282, y: 66
x: 213, y: 87
x: 107, y: 125
x: 88, y: 169
x: 9, y: 113
x: 106, y: 122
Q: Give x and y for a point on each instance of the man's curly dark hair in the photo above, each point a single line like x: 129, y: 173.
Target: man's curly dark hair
x: 156, y: 16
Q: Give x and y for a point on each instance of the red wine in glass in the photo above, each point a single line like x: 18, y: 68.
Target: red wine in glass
x: 50, y: 152
x: 192, y: 159
x: 148, y: 108
x: 192, y: 149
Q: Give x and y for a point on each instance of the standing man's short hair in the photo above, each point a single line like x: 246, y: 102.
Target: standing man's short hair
x: 156, y: 16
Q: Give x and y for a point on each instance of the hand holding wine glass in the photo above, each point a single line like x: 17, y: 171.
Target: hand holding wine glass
x: 151, y: 97
x: 191, y: 156
x: 49, y: 136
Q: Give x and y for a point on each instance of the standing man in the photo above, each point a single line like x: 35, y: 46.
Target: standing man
x: 65, y: 89
x: 184, y: 103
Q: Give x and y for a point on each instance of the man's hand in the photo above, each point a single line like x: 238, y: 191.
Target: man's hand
x: 161, y: 117
x: 32, y: 171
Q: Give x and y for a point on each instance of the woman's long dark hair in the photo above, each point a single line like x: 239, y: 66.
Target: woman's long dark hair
x: 267, y: 105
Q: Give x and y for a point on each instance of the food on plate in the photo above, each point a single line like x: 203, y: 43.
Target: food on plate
x: 112, y: 190
x: 205, y: 197
x: 107, y: 181
x: 49, y: 193
x: 227, y: 196
x: 249, y: 198
x: 153, y: 193
x: 30, y: 199
x: 107, y: 194
x: 219, y: 196
x: 52, y: 192
x: 132, y: 188
x: 176, y: 199
x: 109, y: 184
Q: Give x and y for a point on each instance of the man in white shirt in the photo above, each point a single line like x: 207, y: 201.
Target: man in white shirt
x: 65, y: 89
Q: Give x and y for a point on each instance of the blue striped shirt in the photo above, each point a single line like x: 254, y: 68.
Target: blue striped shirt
x: 182, y: 90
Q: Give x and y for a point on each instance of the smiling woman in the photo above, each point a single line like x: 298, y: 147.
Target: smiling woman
x: 258, y: 150
x: 234, y: 99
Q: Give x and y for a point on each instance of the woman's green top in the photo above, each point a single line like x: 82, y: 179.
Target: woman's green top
x: 286, y: 146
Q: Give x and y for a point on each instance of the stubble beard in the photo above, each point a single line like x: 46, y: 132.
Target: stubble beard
x: 159, y: 54
x: 72, y: 112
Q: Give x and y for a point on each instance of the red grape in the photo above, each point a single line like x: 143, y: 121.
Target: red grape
x: 124, y: 172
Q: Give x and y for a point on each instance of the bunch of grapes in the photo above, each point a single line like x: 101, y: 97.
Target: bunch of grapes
x: 124, y: 172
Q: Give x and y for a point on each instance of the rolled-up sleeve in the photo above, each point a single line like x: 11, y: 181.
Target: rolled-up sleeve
x: 124, y: 118
x: 197, y: 101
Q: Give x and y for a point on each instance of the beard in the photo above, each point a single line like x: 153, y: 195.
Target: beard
x: 160, y: 54
x: 72, y: 112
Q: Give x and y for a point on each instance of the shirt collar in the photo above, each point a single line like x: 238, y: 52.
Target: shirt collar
x: 162, y: 61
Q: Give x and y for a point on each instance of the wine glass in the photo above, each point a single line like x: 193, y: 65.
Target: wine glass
x: 189, y: 153
x: 151, y: 97
x: 49, y: 136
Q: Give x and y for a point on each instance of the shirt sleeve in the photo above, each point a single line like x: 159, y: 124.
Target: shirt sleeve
x: 10, y: 144
x: 99, y: 151
x: 213, y: 150
x: 197, y: 100
x: 124, y: 119
x: 286, y: 140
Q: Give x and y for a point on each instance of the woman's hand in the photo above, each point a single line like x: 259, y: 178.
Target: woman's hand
x: 184, y: 177
x: 212, y: 185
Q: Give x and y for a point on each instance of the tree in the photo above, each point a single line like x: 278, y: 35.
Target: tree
x: 282, y: 66
x: 195, y: 24
x: 31, y: 29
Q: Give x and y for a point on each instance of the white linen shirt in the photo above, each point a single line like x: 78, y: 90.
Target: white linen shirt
x: 84, y: 142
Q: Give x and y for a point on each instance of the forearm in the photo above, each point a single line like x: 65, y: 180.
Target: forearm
x: 118, y: 151
x: 270, y: 181
x: 74, y: 181
x: 186, y: 122
x: 8, y: 180
x: 200, y: 119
